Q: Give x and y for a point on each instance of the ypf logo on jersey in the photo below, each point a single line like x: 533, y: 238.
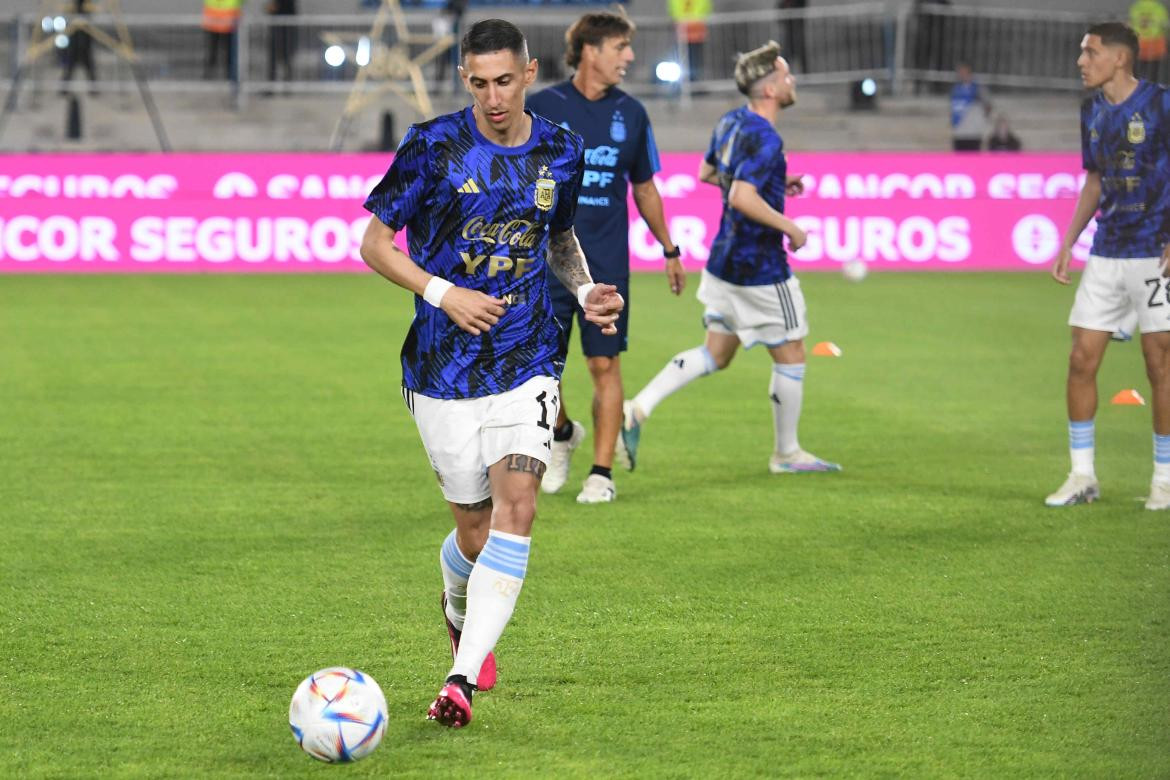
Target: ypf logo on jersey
x: 545, y: 190
x: 1136, y: 132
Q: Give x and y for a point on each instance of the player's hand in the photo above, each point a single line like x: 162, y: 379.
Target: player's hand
x: 794, y: 185
x: 796, y: 239
x: 603, y: 304
x: 472, y: 310
x: 676, y: 275
x: 1060, y: 265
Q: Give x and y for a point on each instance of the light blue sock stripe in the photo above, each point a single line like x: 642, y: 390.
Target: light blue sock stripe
x: 507, y: 545
x: 453, y: 557
x: 505, y: 556
x: 709, y: 366
x: 1161, y: 448
x: 491, y: 562
x: 793, y: 371
x: 1080, y: 434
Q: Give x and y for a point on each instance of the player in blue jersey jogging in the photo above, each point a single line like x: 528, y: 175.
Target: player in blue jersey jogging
x: 619, y: 147
x: 487, y: 196
x: 750, y: 293
x: 1125, y: 149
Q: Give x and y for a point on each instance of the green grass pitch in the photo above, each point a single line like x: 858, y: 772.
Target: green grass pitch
x: 210, y: 487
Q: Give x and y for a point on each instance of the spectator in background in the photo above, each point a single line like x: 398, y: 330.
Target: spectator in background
x: 794, y: 32
x: 221, y: 19
x: 282, y: 38
x: 448, y: 23
x: 80, y: 50
x: 930, y: 41
x: 1150, y: 21
x: 969, y: 111
x: 1002, y: 139
x: 690, y: 19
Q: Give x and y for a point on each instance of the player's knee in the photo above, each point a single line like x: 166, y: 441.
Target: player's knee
x: 722, y: 359
x: 515, y: 515
x: 1158, y: 368
x: 1083, y: 363
x: 602, y: 368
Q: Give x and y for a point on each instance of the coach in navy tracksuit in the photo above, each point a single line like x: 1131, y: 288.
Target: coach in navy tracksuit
x: 619, y: 145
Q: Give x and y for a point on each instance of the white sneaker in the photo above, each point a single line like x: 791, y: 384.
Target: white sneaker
x: 597, y: 490
x: 558, y: 463
x: 1077, y: 489
x: 1159, y: 495
x: 799, y: 462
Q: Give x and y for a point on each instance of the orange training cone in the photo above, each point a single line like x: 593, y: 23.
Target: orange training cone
x: 1129, y: 398
x: 826, y: 349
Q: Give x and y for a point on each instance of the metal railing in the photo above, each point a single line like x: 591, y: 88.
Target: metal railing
x: 832, y: 45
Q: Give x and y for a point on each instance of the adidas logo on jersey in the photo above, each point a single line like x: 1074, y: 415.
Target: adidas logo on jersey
x: 470, y: 187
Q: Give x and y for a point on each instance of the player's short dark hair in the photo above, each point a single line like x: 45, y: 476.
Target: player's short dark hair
x: 592, y: 29
x: 754, y: 65
x: 1117, y: 34
x: 490, y: 35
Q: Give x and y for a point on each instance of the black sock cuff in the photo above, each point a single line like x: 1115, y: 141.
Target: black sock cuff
x: 602, y: 470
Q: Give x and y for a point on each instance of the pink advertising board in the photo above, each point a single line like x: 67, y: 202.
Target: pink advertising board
x: 302, y: 213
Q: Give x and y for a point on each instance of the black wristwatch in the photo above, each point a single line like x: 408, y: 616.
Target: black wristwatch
x: 672, y: 255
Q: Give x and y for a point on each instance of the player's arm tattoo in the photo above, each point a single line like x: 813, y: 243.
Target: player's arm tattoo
x: 566, y: 259
x: 524, y: 463
x: 478, y: 505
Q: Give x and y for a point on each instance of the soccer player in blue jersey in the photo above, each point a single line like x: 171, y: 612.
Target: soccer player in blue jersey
x: 1125, y: 149
x: 619, y: 146
x: 750, y: 294
x: 487, y: 196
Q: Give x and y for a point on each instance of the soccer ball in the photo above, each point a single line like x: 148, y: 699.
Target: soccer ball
x: 854, y: 270
x: 338, y: 715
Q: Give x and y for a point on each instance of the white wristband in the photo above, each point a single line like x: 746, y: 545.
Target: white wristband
x: 583, y: 292
x: 435, y: 290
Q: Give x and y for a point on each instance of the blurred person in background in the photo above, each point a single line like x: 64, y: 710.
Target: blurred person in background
x: 448, y: 22
x: 969, y: 110
x: 1150, y: 21
x: 1002, y: 139
x: 282, y: 38
x: 690, y: 21
x: 80, y: 50
x: 794, y: 33
x: 221, y: 19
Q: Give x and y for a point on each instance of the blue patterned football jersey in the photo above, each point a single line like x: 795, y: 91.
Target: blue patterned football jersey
x: 745, y: 146
x: 478, y: 215
x: 1129, y: 145
x: 619, y: 147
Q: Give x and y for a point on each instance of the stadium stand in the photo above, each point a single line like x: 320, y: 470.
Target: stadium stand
x: 1025, y: 57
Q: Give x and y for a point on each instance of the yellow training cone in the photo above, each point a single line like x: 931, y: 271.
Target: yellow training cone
x: 826, y: 349
x: 1129, y: 398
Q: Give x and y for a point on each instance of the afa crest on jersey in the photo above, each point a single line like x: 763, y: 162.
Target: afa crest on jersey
x: 545, y: 190
x: 1136, y: 131
x: 617, y: 127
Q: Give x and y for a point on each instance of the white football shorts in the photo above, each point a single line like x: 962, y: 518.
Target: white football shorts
x: 464, y: 436
x: 768, y: 314
x: 1111, y: 288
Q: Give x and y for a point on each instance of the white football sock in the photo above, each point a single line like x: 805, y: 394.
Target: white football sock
x: 1081, y: 435
x: 683, y: 368
x: 456, y: 569
x: 492, y: 590
x: 787, y: 392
